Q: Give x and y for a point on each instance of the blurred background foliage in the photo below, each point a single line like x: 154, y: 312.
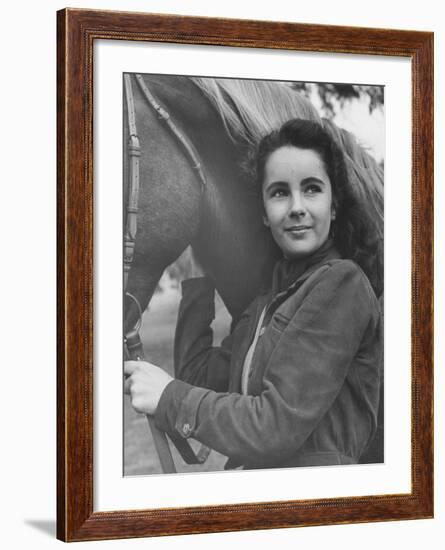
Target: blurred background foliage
x: 334, y: 96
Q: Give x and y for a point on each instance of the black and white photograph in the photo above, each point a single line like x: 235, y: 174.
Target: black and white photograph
x: 253, y: 263
x: 223, y: 275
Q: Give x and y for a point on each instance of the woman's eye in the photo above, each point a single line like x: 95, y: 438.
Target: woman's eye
x: 312, y: 189
x: 278, y: 193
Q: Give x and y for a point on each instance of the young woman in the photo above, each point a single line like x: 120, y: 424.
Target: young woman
x: 297, y: 381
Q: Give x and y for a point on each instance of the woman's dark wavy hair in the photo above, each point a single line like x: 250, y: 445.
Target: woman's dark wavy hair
x: 353, y: 229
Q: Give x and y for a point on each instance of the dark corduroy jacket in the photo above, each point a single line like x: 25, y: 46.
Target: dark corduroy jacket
x: 313, y: 389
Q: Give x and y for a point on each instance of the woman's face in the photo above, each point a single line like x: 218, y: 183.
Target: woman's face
x: 297, y: 197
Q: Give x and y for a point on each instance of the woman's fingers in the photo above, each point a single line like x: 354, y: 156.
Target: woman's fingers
x: 130, y: 367
x: 145, y: 383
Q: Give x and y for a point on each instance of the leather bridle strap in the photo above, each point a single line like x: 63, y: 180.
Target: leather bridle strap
x: 132, y: 343
x: 132, y: 350
x: 134, y: 152
x: 186, y: 145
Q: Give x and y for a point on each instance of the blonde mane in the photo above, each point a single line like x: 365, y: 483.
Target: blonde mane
x: 251, y: 109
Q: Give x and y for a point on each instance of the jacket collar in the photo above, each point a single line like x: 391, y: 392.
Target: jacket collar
x: 288, y: 274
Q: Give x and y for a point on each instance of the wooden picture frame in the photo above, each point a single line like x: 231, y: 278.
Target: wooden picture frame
x: 77, y: 31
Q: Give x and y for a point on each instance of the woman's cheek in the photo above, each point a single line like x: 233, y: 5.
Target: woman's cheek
x: 275, y: 212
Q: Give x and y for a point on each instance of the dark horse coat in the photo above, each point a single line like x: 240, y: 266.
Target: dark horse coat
x: 313, y: 387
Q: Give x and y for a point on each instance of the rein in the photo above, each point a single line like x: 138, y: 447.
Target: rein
x: 132, y: 342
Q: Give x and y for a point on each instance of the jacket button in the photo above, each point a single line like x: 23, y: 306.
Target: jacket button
x: 186, y: 429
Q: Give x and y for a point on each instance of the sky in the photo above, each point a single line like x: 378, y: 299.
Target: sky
x: 354, y: 116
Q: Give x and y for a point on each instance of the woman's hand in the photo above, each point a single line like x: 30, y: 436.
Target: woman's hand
x: 145, y: 383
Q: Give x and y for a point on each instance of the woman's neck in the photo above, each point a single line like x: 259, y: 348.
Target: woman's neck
x: 289, y: 270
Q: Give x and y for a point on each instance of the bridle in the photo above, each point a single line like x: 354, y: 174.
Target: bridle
x: 132, y: 342
x: 134, y: 152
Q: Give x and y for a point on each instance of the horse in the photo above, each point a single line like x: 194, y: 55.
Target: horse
x: 224, y: 119
x: 202, y: 194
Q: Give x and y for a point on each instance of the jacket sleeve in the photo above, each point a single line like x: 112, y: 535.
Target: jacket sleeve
x: 196, y: 360
x: 304, y: 374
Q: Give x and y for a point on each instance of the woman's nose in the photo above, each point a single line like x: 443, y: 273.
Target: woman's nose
x: 297, y: 206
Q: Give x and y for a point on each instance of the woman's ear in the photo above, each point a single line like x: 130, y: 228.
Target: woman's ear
x: 265, y: 220
x: 333, y: 214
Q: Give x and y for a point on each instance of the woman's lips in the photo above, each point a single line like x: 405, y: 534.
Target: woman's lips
x: 297, y: 229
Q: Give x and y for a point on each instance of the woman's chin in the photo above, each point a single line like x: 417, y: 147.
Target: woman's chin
x: 297, y: 250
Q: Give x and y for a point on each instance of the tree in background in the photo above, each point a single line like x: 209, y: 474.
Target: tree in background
x: 332, y: 94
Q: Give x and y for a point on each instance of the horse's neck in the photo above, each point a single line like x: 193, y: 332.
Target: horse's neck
x: 228, y: 234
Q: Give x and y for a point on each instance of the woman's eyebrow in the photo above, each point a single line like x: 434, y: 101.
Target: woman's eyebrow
x: 275, y: 183
x: 313, y: 179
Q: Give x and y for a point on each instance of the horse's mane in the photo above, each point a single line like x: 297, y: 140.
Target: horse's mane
x: 251, y: 109
x: 364, y: 172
